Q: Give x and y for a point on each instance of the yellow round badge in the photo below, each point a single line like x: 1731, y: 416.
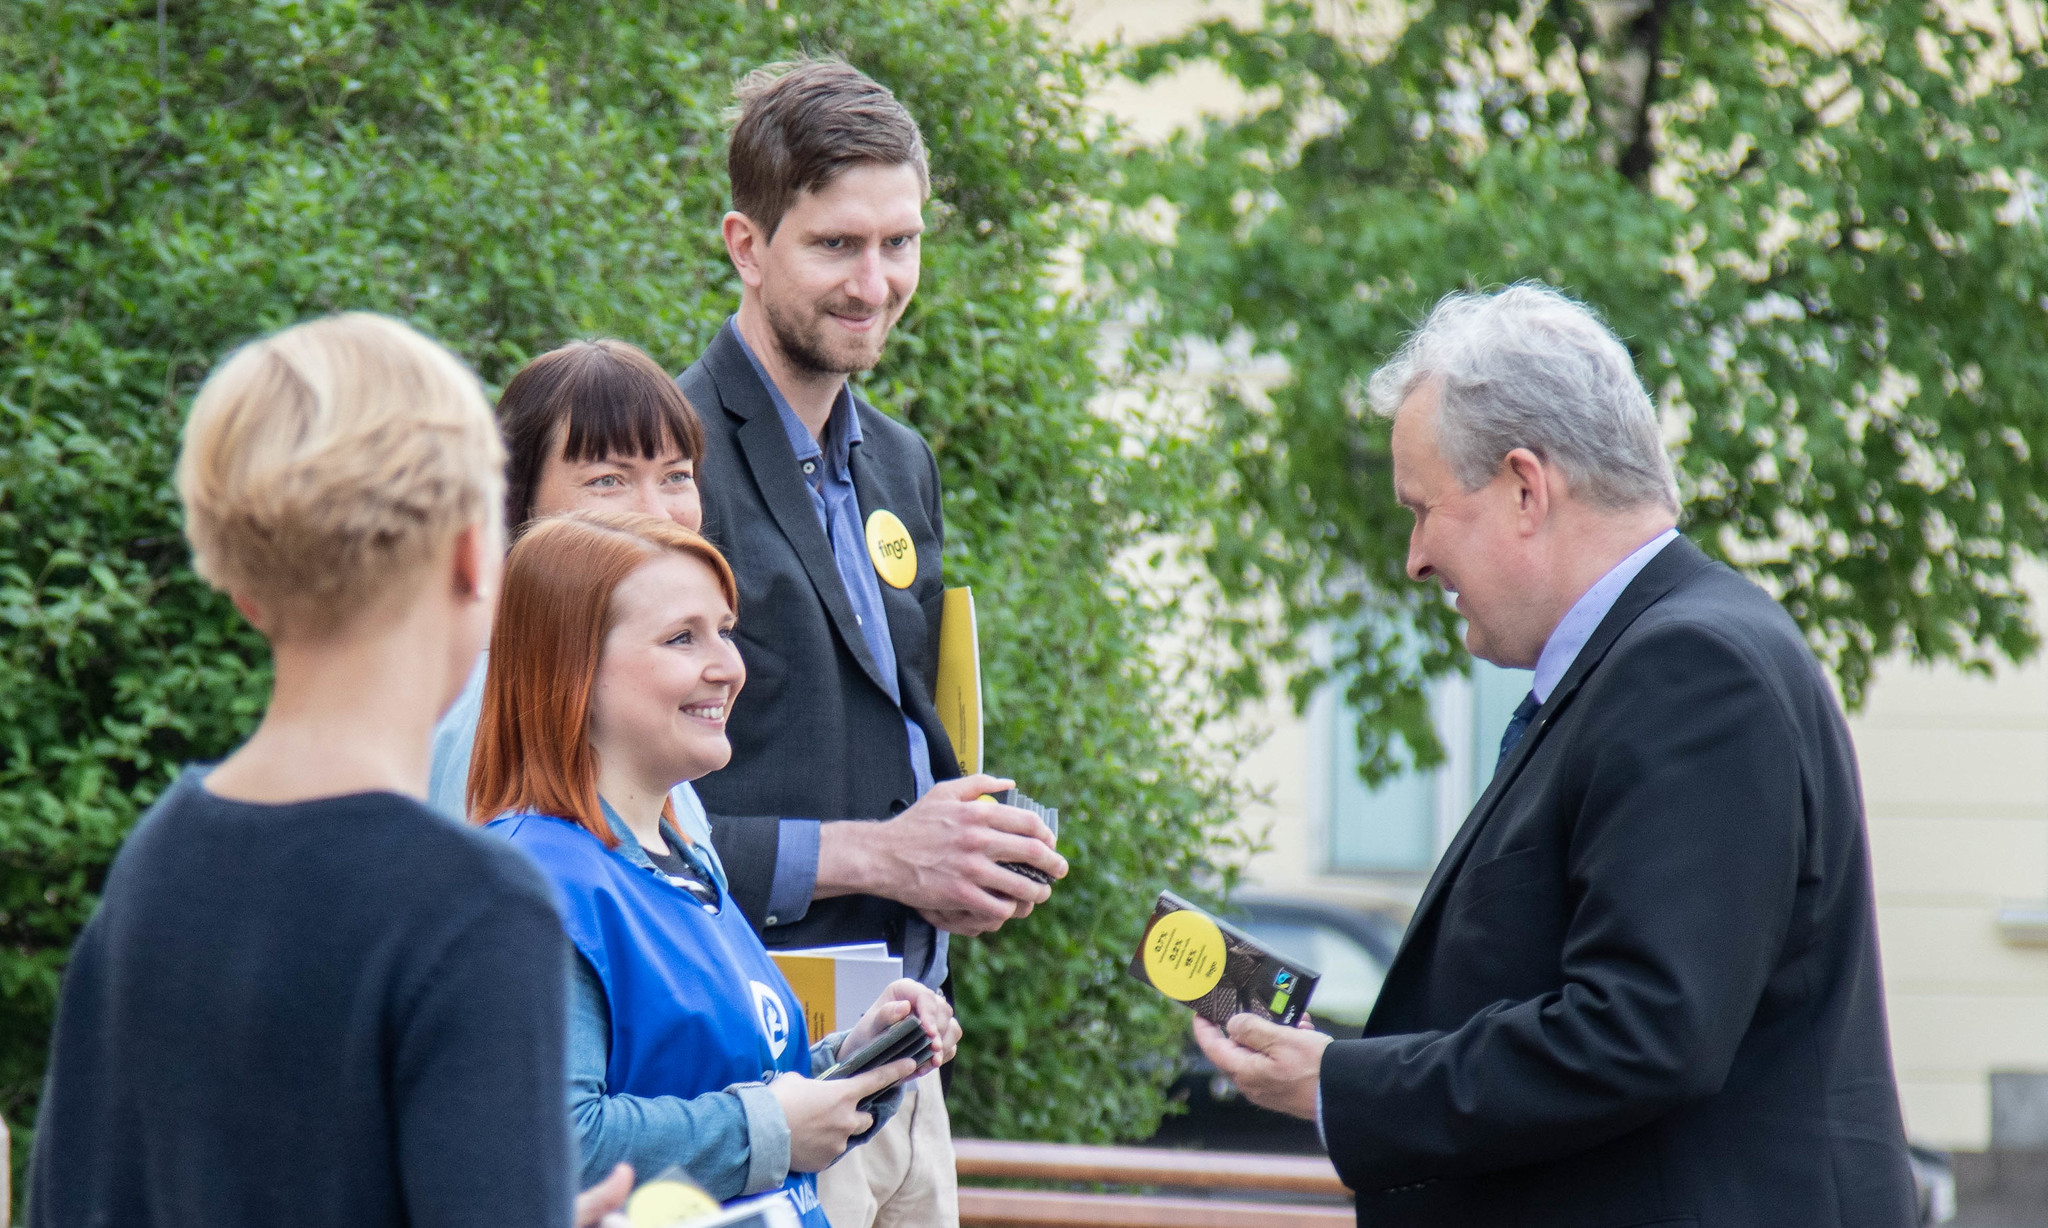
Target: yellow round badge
x: 662, y: 1203
x: 890, y: 547
x: 1184, y: 955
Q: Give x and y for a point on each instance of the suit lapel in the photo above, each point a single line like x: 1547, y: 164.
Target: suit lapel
x: 874, y: 490
x: 1673, y: 564
x: 869, y: 494
x: 765, y: 445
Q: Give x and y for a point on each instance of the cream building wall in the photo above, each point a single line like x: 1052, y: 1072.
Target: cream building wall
x: 1955, y: 774
x: 1955, y: 771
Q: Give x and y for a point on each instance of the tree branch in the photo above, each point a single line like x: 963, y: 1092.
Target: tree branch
x: 1647, y: 33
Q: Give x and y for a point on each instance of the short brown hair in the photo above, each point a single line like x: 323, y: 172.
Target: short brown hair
x: 323, y: 464
x: 600, y: 398
x: 533, y: 749
x: 805, y: 122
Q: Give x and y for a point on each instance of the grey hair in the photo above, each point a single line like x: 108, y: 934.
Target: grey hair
x: 1528, y: 367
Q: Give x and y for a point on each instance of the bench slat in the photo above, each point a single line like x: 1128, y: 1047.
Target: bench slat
x: 1200, y: 1170
x: 981, y: 1208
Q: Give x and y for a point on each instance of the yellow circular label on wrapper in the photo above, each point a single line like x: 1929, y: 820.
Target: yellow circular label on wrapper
x: 889, y: 545
x: 1184, y: 955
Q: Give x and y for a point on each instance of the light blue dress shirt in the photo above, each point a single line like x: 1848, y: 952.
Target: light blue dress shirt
x: 1584, y: 618
x: 826, y: 468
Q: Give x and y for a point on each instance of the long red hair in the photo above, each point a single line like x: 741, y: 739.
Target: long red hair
x: 533, y: 750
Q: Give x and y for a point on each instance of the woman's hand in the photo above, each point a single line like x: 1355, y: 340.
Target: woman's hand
x: 898, y: 1000
x: 824, y: 1113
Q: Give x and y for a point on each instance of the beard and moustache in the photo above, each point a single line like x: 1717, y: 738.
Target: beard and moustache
x: 807, y: 337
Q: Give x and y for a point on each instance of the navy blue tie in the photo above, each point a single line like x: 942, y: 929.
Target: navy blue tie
x: 1518, y: 724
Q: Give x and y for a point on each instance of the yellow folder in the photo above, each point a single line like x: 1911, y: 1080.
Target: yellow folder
x: 837, y: 985
x: 815, y: 983
x: 958, y: 693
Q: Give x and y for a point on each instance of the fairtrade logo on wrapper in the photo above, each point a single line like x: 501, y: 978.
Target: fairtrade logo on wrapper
x: 1184, y: 955
x: 672, y: 1200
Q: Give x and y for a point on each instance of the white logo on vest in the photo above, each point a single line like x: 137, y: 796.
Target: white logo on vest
x: 774, y: 1017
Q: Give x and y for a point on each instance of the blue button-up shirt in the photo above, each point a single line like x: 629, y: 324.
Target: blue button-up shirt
x: 828, y: 474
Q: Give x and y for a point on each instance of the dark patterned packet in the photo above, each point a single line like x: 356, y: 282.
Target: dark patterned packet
x: 1014, y: 797
x: 1218, y: 969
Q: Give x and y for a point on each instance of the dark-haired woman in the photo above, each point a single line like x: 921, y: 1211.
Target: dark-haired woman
x: 599, y: 426
x: 591, y: 426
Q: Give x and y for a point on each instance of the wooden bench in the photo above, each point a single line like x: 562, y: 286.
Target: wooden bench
x: 1077, y: 1164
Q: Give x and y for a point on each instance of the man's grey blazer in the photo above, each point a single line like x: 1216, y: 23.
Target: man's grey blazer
x: 814, y: 735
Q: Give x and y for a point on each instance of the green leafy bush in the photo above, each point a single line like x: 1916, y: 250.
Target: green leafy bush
x: 506, y: 176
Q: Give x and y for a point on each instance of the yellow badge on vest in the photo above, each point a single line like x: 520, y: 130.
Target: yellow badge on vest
x: 890, y: 547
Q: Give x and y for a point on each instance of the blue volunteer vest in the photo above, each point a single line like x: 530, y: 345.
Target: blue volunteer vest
x: 696, y: 1003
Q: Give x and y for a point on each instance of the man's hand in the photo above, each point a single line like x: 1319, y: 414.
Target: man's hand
x: 1276, y: 1068
x: 606, y: 1197
x: 942, y: 857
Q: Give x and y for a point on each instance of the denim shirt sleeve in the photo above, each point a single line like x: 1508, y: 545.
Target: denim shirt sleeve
x: 733, y: 1142
x: 454, y: 739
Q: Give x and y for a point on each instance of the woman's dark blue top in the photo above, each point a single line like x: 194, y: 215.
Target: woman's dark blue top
x: 345, y: 1012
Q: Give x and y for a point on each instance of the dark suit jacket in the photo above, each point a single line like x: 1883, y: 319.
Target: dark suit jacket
x: 1642, y: 986
x: 813, y: 733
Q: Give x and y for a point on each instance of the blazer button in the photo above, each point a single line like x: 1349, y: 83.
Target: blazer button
x: 774, y: 920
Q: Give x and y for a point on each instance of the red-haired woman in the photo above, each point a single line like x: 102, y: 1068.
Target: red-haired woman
x: 612, y: 669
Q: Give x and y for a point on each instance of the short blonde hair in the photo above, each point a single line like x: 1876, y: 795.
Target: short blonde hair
x: 325, y: 462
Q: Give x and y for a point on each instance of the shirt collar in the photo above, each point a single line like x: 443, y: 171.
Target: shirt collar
x: 630, y: 849
x: 629, y: 844
x: 842, y: 429
x: 1579, y: 622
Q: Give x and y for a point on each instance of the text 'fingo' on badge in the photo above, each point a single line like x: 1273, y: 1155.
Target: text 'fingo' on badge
x: 890, y: 547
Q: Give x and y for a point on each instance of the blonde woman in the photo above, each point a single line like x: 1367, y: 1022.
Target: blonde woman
x: 307, y: 999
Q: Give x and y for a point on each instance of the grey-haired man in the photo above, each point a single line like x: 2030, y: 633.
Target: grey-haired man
x: 1642, y: 986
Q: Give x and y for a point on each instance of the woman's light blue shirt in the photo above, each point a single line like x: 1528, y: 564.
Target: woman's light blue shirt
x: 733, y: 1142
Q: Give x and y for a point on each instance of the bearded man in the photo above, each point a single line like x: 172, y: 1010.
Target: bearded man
x: 842, y: 817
